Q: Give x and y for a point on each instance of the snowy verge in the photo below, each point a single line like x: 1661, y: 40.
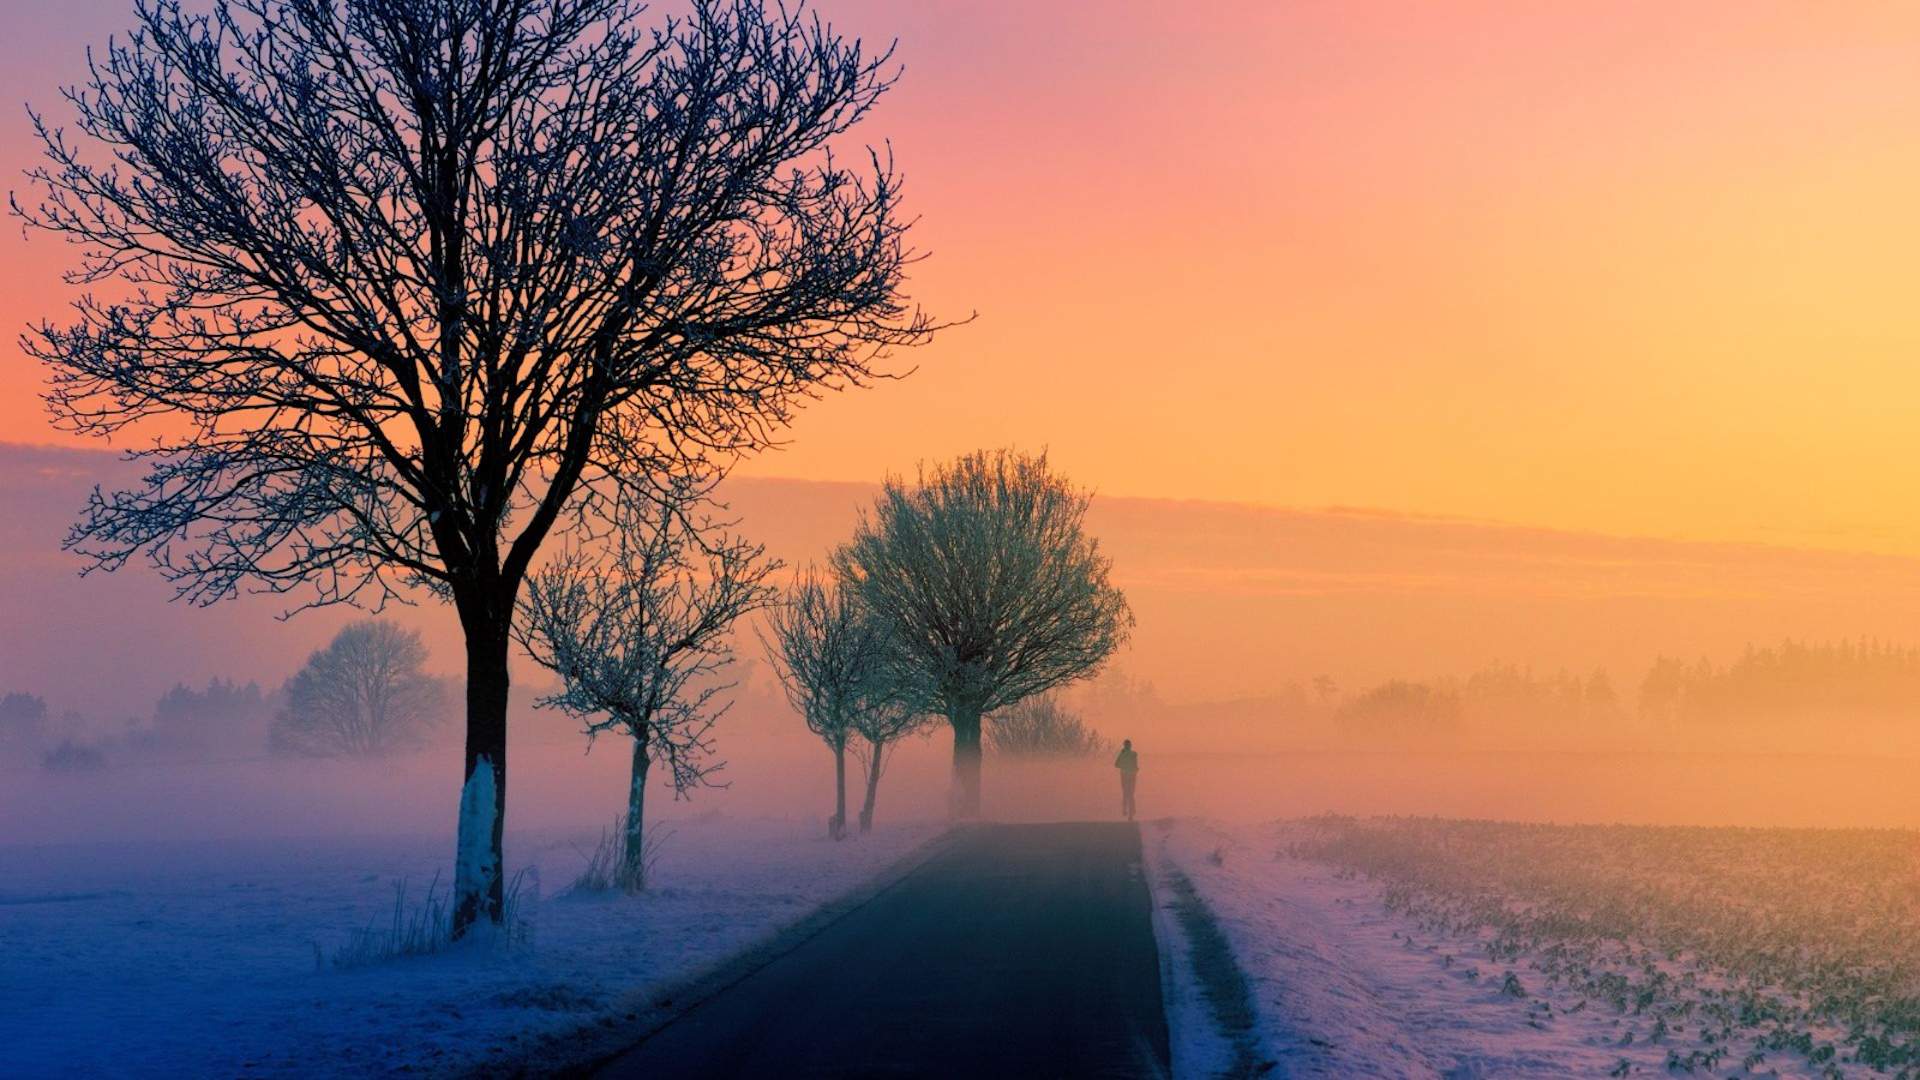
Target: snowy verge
x: 1200, y: 1041
x: 1343, y: 987
x: 202, y: 959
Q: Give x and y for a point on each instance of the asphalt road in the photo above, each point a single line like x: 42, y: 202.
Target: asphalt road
x: 1019, y: 950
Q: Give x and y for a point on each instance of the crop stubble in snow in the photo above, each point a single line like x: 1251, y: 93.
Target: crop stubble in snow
x: 1461, y: 948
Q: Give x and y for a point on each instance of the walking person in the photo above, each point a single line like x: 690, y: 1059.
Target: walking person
x: 1129, y: 765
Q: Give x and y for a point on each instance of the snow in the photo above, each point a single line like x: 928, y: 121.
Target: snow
x: 1199, y: 1047
x: 1344, y: 988
x: 473, y: 868
x: 198, y: 957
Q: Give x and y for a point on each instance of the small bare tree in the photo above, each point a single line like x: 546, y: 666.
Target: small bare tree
x: 987, y: 590
x: 830, y: 661
x: 410, y: 283
x: 639, y: 638
x: 1042, y: 727
x: 364, y: 695
x: 887, y: 715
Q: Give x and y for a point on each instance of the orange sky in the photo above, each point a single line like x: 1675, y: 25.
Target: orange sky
x: 1620, y: 266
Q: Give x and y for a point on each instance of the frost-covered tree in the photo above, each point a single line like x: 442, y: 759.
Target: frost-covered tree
x: 983, y: 581
x: 366, y: 694
x: 639, y: 636
x: 392, y: 290
x: 887, y: 715
x: 832, y: 664
x: 1041, y: 726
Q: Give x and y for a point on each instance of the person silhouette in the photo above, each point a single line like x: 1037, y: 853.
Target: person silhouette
x: 1129, y: 765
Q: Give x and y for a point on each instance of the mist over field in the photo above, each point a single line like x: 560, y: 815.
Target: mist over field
x: 1287, y: 662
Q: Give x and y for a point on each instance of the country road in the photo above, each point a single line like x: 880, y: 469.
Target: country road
x: 1019, y: 950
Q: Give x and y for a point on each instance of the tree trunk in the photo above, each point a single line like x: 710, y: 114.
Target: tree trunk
x: 876, y: 752
x: 479, y: 887
x: 965, y: 798
x: 633, y: 872
x: 837, y: 824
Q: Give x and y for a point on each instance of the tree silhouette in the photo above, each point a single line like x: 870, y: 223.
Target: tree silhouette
x: 23, y: 722
x: 404, y: 286
x: 364, y: 695
x: 831, y: 661
x: 637, y: 637
x: 888, y: 716
x: 1794, y: 680
x: 988, y: 591
x: 1041, y: 726
x: 226, y: 714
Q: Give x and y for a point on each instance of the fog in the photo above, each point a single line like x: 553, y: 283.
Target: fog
x: 1270, y: 675
x: 556, y: 788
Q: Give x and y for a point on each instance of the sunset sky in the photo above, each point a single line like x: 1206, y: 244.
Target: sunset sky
x: 1627, y: 267
x: 1502, y: 424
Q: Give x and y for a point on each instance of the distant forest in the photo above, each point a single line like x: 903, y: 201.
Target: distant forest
x: 364, y: 695
x: 1865, y: 679
x: 1792, y: 679
x: 1815, y: 688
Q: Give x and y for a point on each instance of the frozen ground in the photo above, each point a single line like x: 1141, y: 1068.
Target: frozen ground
x: 1341, y: 987
x: 199, y: 958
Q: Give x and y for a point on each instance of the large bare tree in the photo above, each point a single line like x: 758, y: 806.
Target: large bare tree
x: 396, y: 288
x: 832, y: 664
x: 988, y: 590
x: 640, y: 637
x: 366, y: 694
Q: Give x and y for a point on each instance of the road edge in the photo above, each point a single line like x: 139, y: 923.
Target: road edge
x: 584, y: 1050
x: 1164, y: 943
x: 1214, y: 985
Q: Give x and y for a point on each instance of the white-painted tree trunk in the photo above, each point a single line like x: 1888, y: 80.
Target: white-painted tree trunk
x: 476, y: 869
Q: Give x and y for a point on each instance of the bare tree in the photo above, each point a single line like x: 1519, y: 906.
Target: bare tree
x: 1042, y: 727
x: 830, y: 661
x: 987, y: 589
x: 887, y: 715
x: 411, y: 283
x: 364, y: 695
x: 638, y: 639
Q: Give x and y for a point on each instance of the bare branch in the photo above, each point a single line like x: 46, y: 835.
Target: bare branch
x: 640, y: 638
x: 424, y: 277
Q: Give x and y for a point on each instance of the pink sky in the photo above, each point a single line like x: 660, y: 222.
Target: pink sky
x: 1629, y: 267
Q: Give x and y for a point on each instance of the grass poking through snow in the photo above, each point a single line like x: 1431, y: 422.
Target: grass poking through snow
x: 608, y: 867
x: 426, y: 928
x: 1221, y: 981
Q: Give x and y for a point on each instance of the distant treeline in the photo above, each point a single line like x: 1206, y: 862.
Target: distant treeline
x: 366, y: 694
x: 1793, y: 680
x: 1499, y: 694
x: 1863, y: 678
x: 226, y: 716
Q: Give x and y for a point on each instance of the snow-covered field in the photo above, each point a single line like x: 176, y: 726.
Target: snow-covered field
x: 163, y: 958
x: 1424, y: 948
x: 1337, y: 990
